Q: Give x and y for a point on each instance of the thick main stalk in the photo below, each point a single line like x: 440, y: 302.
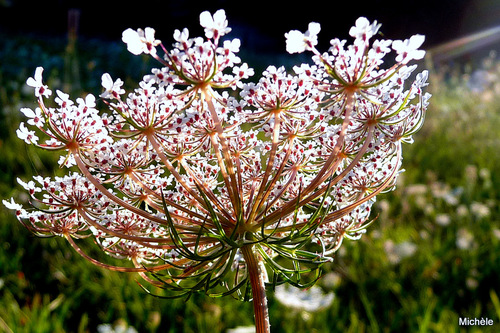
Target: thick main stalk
x: 256, y: 275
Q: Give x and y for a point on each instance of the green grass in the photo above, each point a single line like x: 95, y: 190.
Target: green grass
x: 432, y: 256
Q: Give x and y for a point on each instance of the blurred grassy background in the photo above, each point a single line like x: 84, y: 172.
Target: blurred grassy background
x: 433, y: 255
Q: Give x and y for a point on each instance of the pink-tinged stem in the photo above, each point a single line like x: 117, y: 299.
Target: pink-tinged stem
x: 231, y: 181
x: 256, y: 276
x: 327, y: 170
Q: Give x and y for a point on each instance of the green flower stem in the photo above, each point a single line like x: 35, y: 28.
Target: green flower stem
x: 256, y: 275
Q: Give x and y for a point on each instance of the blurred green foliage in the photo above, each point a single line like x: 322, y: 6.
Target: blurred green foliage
x: 433, y: 255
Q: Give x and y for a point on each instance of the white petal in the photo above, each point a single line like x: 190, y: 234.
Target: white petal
x: 38, y: 74
x: 31, y: 82
x: 90, y: 101
x: 12, y: 204
x: 416, y: 41
x: 28, y: 112
x: 133, y: 41
x: 107, y: 81
x: 295, y: 42
x: 150, y: 34
x: 206, y: 19
x: 314, y: 28
x: 129, y: 35
x: 25, y: 185
x: 219, y: 16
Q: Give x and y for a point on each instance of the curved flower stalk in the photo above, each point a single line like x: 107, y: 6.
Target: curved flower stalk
x: 204, y: 182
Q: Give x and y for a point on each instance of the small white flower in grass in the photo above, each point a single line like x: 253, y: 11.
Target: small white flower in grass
x: 216, y: 25
x: 36, y: 82
x: 465, y: 239
x: 407, y: 50
x: 462, y: 211
x: 496, y: 233
x: 397, y: 252
x: 140, y: 41
x: 24, y: 134
x: 416, y: 189
x: 484, y: 174
x: 471, y: 283
x: 443, y: 219
x: 298, y: 42
x: 120, y: 327
x: 479, y: 210
x: 331, y: 280
x: 310, y: 300
x: 113, y: 88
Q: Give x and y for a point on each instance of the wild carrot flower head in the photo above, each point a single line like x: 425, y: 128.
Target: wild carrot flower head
x: 196, y: 164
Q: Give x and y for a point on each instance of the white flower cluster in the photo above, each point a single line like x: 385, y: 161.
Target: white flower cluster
x: 183, y: 168
x: 310, y: 300
x: 407, y: 50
